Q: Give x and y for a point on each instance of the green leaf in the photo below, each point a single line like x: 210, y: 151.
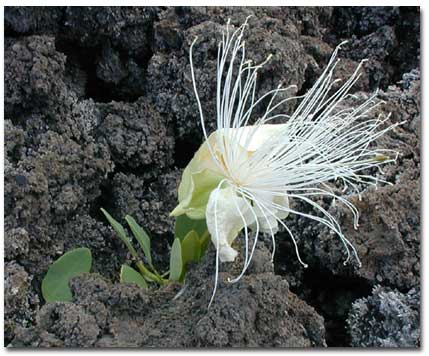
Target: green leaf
x: 141, y: 236
x: 176, y: 264
x: 191, y: 248
x: 120, y: 231
x: 184, y: 225
x: 130, y: 275
x: 55, y: 285
x: 204, y: 242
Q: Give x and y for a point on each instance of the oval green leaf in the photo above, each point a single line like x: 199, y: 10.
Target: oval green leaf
x: 204, y: 242
x: 130, y: 275
x: 55, y: 285
x: 191, y: 248
x: 176, y: 264
x: 141, y: 236
x: 184, y: 225
x: 120, y: 231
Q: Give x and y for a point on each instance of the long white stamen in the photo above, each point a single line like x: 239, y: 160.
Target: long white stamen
x: 247, y: 260
x: 265, y: 208
x: 246, y: 235
x: 325, y: 139
x: 217, y: 247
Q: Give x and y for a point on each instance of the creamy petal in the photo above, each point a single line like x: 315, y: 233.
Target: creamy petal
x: 204, y: 172
x: 226, y: 224
x: 283, y: 201
x: 253, y: 137
x: 267, y: 219
x: 198, y: 190
x: 227, y: 254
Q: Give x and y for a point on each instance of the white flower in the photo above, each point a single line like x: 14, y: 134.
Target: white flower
x: 244, y: 174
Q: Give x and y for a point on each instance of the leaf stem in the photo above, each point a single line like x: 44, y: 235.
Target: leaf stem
x: 146, y: 273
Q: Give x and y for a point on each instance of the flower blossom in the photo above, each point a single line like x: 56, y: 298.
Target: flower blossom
x: 246, y: 172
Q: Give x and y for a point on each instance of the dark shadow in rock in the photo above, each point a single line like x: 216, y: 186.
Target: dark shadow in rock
x: 107, y: 75
x: 184, y: 152
x: 332, y: 297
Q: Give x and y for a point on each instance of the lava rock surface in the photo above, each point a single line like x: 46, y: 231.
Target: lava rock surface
x: 100, y: 112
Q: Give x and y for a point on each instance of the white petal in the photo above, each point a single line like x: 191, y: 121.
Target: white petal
x: 227, y: 254
x: 283, y: 201
x: 254, y: 137
x: 268, y: 225
x: 267, y: 217
x: 225, y: 225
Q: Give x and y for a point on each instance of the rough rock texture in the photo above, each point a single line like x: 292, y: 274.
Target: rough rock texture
x: 100, y: 112
x: 271, y: 315
x: 388, y: 237
x: 386, y: 319
x: 137, y: 135
x: 20, y: 299
x: 379, y: 27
